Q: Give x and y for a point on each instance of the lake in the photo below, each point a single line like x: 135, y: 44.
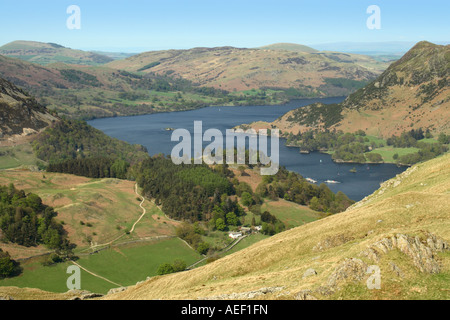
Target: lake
x: 150, y: 131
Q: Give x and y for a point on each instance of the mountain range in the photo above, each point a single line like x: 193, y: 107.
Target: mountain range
x: 412, y: 93
x: 87, y: 85
x: 276, y: 66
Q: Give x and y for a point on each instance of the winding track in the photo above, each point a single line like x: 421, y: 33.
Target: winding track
x: 144, y: 211
x: 140, y: 205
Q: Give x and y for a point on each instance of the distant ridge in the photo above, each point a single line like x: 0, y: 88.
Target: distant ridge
x: 279, y: 66
x: 290, y: 47
x: 47, y: 53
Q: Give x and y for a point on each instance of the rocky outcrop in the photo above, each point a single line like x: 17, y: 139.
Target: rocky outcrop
x: 82, y: 295
x: 116, y: 290
x: 304, y: 295
x: 349, y: 270
x: 332, y: 241
x: 422, y: 252
x: 20, y: 114
x: 246, y: 295
x: 308, y: 273
x: 352, y: 269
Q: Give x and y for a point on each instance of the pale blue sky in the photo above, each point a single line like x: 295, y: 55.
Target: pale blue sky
x: 138, y: 25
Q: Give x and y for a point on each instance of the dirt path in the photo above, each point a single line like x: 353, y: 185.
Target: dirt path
x: 95, y: 275
x: 144, y: 211
x: 140, y: 205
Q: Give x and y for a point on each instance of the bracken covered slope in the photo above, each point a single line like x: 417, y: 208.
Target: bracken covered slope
x: 20, y: 114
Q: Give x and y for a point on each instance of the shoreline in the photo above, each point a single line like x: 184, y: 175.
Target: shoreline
x: 209, y: 106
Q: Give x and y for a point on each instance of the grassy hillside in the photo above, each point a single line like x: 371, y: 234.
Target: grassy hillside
x: 411, y: 209
x: 125, y: 265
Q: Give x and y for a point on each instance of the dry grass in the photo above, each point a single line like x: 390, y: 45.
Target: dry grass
x: 418, y: 203
x: 91, y: 209
x: 243, y: 69
x: 413, y: 203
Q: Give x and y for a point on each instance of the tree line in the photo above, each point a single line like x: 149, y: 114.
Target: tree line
x: 26, y: 221
x: 98, y: 167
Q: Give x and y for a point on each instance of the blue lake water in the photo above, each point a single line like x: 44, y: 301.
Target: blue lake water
x: 150, y: 131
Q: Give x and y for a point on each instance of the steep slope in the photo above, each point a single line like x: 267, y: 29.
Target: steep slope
x: 403, y: 228
x: 238, y: 69
x: 412, y: 93
x: 20, y: 114
x: 46, y: 53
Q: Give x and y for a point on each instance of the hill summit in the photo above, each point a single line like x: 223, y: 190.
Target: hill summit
x: 290, y: 47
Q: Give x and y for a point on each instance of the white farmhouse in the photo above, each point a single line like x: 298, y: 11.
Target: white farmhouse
x: 235, y: 235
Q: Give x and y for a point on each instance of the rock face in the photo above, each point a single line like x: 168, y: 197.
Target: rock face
x: 350, y: 269
x: 422, y: 252
x: 116, y: 290
x: 20, y: 114
x: 304, y: 295
x: 83, y: 295
x: 308, y: 273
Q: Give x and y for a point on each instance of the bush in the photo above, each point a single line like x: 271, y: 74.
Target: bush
x: 203, y: 248
x: 179, y: 265
x: 247, y: 199
x: 52, y: 259
x: 165, y: 268
x: 220, y: 224
x: 8, y: 267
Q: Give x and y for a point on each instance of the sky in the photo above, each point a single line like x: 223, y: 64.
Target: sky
x: 142, y: 25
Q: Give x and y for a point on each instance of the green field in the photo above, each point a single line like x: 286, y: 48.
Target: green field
x: 291, y: 214
x: 247, y: 242
x: 377, y: 140
x: 21, y: 155
x: 125, y: 265
x: 388, y: 152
